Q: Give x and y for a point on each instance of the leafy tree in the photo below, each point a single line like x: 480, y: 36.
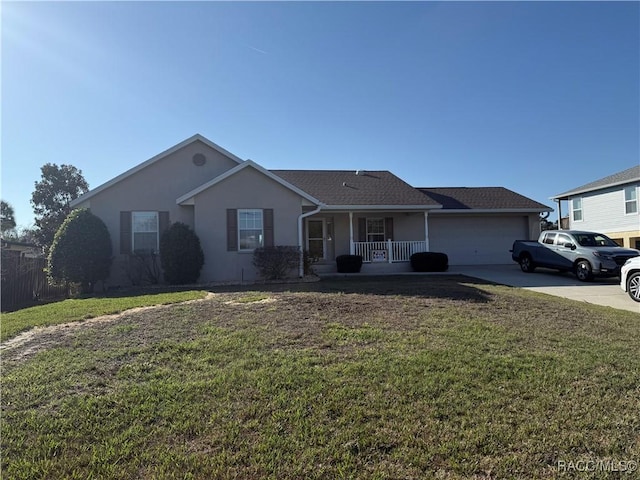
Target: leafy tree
x: 7, y: 218
x: 181, y: 255
x: 25, y: 235
x: 81, y: 251
x: 51, y: 198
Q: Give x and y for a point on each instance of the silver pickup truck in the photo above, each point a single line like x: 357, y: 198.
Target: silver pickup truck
x: 587, y: 254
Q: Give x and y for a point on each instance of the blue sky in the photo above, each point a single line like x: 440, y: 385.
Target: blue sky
x: 538, y: 97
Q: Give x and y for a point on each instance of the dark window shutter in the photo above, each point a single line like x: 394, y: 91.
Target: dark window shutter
x: 163, y: 225
x: 388, y: 228
x: 125, y: 232
x: 163, y: 222
x: 232, y: 230
x: 362, y: 229
x: 267, y: 223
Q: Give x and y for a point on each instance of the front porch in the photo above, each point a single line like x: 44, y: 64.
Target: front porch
x: 381, y: 238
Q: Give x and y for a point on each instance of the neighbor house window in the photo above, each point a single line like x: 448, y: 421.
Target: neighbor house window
x: 631, y: 200
x: 144, y: 227
x: 250, y: 229
x: 375, y: 229
x: 576, y: 209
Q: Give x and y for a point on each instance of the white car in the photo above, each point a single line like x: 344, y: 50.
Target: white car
x: 630, y: 278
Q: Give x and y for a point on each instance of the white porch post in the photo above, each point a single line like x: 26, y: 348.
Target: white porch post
x: 389, y: 251
x: 351, y: 246
x: 559, y: 214
x: 426, y: 230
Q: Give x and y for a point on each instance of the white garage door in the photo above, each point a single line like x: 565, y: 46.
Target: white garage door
x: 476, y: 240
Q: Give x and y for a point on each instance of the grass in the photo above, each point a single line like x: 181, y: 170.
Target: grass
x: 73, y: 310
x: 411, y: 377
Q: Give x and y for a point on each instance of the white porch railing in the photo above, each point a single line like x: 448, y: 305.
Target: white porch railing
x: 388, y: 251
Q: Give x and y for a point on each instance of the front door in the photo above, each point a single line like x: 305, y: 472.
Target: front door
x: 316, y: 238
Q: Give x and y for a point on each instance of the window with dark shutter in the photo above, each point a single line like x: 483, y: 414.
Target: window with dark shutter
x: 232, y: 230
x: 125, y: 232
x: 164, y: 222
x: 362, y: 229
x: 388, y: 228
x: 267, y: 215
x: 375, y: 230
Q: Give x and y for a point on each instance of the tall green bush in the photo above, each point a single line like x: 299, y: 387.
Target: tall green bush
x: 81, y: 251
x: 181, y: 255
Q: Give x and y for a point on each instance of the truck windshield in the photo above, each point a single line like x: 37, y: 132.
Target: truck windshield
x: 594, y: 240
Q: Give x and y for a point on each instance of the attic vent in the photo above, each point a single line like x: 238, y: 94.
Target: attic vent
x: 199, y: 159
x: 360, y: 172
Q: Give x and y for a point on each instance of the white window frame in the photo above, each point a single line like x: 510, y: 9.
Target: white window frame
x: 133, y: 230
x: 369, y: 233
x: 241, y: 229
x: 574, y: 210
x: 631, y: 201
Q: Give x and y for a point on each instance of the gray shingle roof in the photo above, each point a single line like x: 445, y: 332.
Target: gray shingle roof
x: 481, y: 198
x: 345, y: 187
x: 626, y: 176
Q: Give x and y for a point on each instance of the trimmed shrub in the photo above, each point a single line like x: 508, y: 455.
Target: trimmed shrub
x: 276, y: 263
x: 349, y: 263
x: 429, y: 262
x: 142, y: 269
x: 181, y: 255
x: 308, y: 261
x: 81, y: 251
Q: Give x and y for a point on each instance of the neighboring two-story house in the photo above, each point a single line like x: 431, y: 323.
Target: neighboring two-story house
x: 609, y: 206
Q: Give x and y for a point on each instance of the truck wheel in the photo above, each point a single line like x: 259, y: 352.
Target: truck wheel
x: 526, y: 263
x: 633, y: 286
x: 584, y: 271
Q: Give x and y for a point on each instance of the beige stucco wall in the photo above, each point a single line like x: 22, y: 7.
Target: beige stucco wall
x: 246, y: 189
x: 156, y: 188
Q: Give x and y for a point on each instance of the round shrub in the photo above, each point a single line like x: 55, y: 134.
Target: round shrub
x: 349, y: 263
x: 277, y: 262
x: 429, y: 262
x: 81, y: 251
x: 181, y: 255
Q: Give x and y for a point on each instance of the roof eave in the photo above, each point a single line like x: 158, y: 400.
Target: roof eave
x: 573, y: 193
x: 495, y: 210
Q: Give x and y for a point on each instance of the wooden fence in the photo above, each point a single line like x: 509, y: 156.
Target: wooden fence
x: 24, y: 282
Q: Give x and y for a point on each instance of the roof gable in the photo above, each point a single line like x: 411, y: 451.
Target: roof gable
x: 349, y: 188
x: 195, y: 138
x: 187, y: 198
x: 482, y: 198
x: 629, y: 175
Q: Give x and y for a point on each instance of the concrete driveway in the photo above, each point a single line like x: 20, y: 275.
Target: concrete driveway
x: 602, y: 291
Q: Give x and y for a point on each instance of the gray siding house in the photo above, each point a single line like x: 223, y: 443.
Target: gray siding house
x: 608, y: 205
x: 237, y: 205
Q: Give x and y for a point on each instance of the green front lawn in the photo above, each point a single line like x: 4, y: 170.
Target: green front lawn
x: 407, y: 377
x: 73, y: 310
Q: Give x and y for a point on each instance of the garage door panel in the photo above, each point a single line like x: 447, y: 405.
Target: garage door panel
x: 481, y: 240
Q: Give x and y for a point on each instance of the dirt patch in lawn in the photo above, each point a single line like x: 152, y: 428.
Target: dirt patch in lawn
x: 40, y: 338
x: 298, y: 313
